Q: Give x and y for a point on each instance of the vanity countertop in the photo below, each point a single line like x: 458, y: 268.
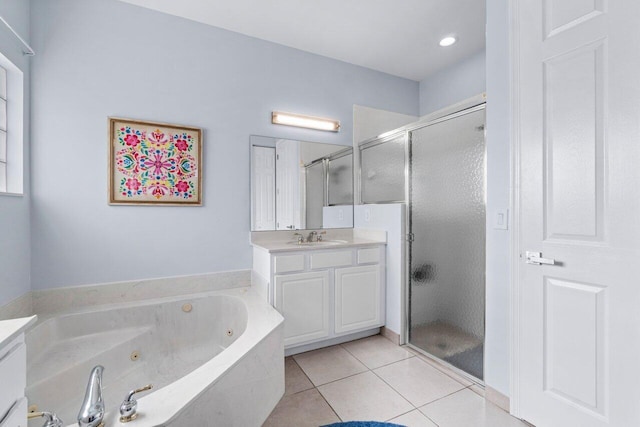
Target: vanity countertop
x: 9, y: 329
x: 288, y: 246
x: 331, y: 240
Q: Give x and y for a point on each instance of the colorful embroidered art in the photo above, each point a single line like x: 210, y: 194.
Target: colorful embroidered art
x: 154, y: 163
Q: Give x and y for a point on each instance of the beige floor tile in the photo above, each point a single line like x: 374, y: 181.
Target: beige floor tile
x: 364, y: 397
x: 294, y: 378
x: 304, y: 409
x: 413, y: 419
x: 465, y: 408
x: 328, y: 364
x: 445, y: 370
x: 417, y: 381
x: 376, y: 351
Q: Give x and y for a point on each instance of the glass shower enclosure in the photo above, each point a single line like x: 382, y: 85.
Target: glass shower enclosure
x: 438, y: 168
x: 447, y: 249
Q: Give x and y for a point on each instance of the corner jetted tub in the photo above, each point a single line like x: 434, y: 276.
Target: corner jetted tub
x: 214, y: 359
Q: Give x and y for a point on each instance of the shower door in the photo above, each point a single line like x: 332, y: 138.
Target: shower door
x: 447, y: 252
x: 315, y: 193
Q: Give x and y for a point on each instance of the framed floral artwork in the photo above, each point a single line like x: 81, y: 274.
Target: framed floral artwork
x: 154, y: 163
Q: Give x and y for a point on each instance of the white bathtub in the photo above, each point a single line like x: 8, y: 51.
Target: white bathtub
x: 222, y: 363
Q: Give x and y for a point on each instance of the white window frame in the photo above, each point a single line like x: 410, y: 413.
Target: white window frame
x: 15, y: 129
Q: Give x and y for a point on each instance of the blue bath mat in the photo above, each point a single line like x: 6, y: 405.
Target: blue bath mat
x: 363, y: 424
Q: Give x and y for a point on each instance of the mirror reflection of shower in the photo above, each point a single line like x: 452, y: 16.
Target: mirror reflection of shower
x: 300, y: 185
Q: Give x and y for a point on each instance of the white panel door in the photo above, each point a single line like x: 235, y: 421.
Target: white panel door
x: 264, y: 188
x: 303, y: 301
x: 358, y: 294
x: 577, y: 83
x: 287, y: 185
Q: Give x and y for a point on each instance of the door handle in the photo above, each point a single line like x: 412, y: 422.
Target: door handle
x: 535, y: 258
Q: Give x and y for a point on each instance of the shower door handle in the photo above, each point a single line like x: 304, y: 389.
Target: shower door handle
x: 535, y: 258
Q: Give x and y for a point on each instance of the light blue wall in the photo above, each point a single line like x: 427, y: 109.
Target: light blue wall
x: 15, y: 252
x: 453, y: 84
x: 100, y: 58
x: 497, y: 342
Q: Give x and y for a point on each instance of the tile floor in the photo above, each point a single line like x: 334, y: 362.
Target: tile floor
x: 374, y: 379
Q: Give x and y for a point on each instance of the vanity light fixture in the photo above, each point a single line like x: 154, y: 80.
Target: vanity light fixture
x: 299, y: 120
x: 448, y: 41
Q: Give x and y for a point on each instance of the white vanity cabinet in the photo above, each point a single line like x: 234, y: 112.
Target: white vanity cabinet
x: 323, y: 293
x: 13, y: 372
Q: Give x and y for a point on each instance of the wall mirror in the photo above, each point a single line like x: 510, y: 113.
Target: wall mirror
x: 300, y: 185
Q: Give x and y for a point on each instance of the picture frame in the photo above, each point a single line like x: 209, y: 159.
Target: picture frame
x: 154, y: 163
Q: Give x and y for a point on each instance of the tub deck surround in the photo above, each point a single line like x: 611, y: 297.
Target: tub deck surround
x: 56, y: 300
x: 19, y: 307
x: 228, y: 344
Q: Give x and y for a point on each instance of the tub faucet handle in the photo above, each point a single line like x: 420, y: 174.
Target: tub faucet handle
x: 129, y: 407
x: 51, y: 419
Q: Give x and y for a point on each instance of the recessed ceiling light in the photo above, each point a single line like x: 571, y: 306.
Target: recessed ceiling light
x: 447, y: 41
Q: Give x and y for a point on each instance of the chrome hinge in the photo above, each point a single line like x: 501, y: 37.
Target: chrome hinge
x: 411, y: 237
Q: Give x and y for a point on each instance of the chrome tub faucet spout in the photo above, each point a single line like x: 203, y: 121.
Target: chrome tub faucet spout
x: 92, y: 411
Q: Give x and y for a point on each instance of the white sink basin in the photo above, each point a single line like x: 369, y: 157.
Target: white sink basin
x: 320, y: 243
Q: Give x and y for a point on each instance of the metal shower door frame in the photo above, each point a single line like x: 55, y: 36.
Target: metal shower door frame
x: 406, y: 297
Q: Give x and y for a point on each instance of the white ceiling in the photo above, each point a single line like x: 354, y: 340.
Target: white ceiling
x: 398, y: 37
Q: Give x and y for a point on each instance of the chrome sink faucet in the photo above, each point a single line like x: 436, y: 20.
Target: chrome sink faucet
x: 311, y: 236
x: 300, y: 238
x: 92, y: 410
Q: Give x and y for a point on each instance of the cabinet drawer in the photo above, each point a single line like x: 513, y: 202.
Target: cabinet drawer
x: 17, y: 417
x: 331, y: 259
x: 368, y: 255
x: 13, y: 376
x: 288, y: 263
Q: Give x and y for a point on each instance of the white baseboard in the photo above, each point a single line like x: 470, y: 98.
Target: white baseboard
x: 390, y: 335
x: 497, y: 398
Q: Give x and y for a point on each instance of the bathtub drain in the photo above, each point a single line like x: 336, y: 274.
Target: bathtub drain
x: 187, y: 308
x: 135, y: 355
x: 229, y: 332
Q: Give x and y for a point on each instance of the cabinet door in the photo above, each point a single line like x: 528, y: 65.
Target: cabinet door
x: 17, y: 416
x: 303, y: 300
x: 13, y: 374
x: 358, y: 298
